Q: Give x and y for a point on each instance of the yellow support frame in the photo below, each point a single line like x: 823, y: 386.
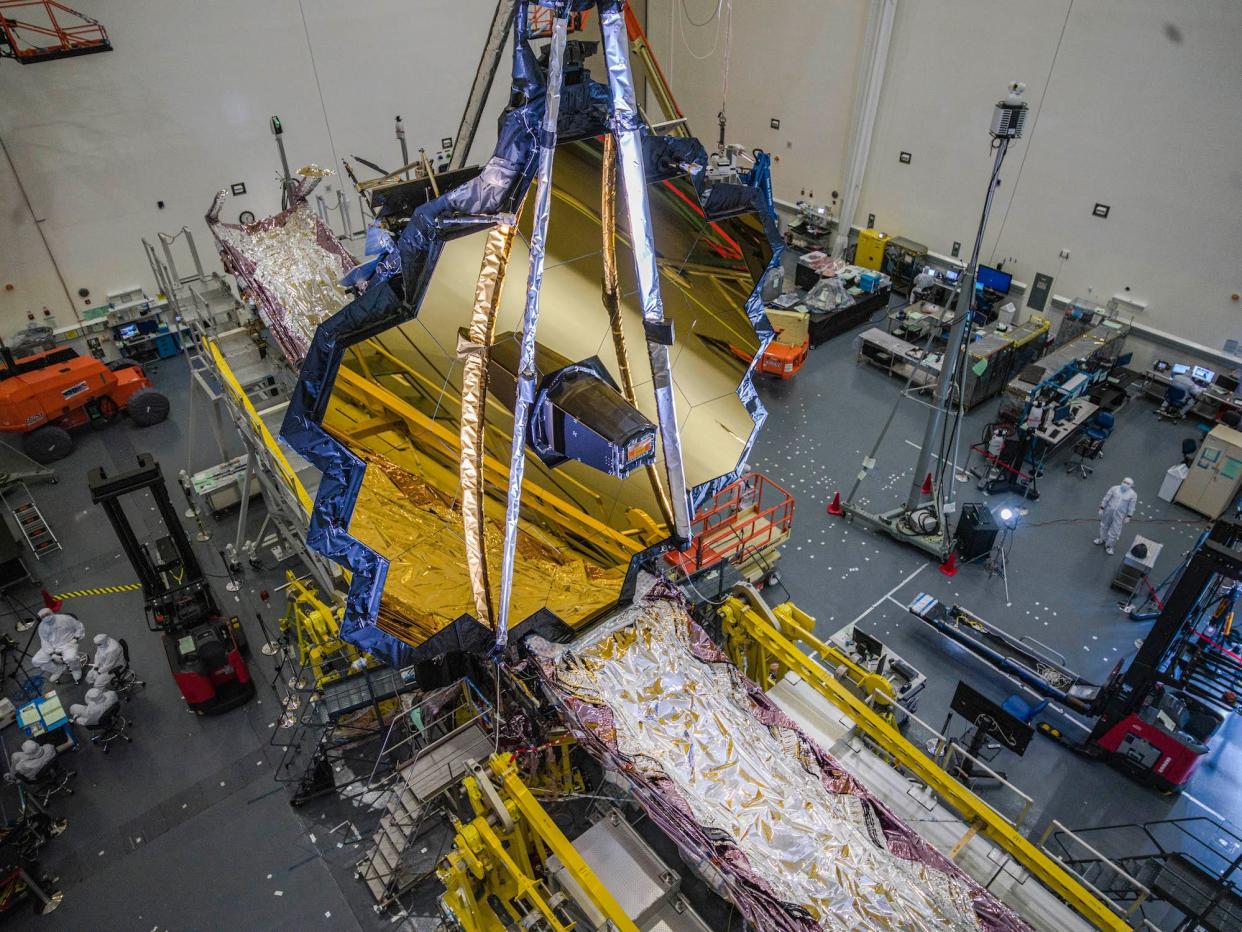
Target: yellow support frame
x: 780, y: 647
x: 259, y: 429
x: 317, y: 628
x: 491, y: 859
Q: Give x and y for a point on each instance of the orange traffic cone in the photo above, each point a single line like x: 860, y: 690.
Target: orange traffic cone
x: 834, y: 506
x: 927, y: 486
x: 51, y: 601
x: 949, y: 566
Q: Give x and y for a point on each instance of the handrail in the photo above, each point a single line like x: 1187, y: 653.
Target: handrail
x: 1087, y: 901
x: 239, y: 397
x: 1056, y: 828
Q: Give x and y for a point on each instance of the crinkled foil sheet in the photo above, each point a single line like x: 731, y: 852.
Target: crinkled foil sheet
x: 799, y: 842
x: 419, y: 529
x: 291, y: 264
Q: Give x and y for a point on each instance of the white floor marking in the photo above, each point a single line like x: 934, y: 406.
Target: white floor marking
x: 880, y: 601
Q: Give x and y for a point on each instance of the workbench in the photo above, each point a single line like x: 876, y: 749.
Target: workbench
x: 1107, y: 339
x: 898, y: 357
x: 1057, y: 433
x: 1211, y: 404
x: 1000, y: 352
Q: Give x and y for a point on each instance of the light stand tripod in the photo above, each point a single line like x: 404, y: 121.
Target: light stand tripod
x: 997, y: 560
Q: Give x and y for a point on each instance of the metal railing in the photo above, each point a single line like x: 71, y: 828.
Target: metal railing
x: 1101, y: 874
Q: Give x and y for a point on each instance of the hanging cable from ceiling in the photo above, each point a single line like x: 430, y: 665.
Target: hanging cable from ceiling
x: 687, y: 18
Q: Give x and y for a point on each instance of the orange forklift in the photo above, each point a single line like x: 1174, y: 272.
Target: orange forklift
x: 46, y: 395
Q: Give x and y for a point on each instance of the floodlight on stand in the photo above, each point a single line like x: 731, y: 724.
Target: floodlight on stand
x: 296, y: 682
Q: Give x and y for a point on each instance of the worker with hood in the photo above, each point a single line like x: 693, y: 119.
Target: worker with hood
x: 1116, y: 509
x: 922, y: 284
x: 59, y: 634
x: 99, y: 703
x: 109, y: 658
x: 34, y: 758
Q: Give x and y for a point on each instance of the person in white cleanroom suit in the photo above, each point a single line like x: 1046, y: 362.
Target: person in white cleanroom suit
x: 1116, y: 510
x: 109, y: 657
x: 58, y: 645
x: 922, y: 284
x: 98, y: 704
x: 32, y: 760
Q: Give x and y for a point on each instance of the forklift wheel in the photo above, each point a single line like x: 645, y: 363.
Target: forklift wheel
x: 48, y: 444
x: 147, y: 407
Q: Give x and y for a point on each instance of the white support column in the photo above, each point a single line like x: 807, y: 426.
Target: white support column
x: 870, y: 80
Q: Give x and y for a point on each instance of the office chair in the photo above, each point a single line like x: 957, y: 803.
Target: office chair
x: 52, y: 781
x: 1231, y: 418
x: 112, y: 727
x: 1100, y: 426
x: 1174, y: 400
x: 1190, y: 446
x: 1022, y: 710
x: 125, y: 681
x: 1086, y: 448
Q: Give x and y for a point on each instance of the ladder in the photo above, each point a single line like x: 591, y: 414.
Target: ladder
x: 29, y: 518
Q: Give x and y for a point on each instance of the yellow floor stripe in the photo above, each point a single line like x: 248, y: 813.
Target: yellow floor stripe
x: 98, y: 590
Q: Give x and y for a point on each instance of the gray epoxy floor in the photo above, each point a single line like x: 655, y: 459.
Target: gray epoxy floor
x: 185, y: 829
x: 822, y: 422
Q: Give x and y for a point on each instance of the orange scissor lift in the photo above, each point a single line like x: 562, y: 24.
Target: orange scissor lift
x: 745, y: 524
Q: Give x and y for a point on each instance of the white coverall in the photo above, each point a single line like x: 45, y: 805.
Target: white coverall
x: 922, y: 284
x: 32, y: 759
x: 1115, y: 510
x: 98, y: 704
x: 109, y: 657
x: 1193, y: 391
x: 58, y: 645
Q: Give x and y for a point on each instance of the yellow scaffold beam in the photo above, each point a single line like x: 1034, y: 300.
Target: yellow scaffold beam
x: 279, y: 463
x: 970, y: 807
x: 542, y: 825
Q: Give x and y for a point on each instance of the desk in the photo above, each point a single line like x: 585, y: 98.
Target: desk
x: 1057, y: 433
x: 1210, y: 404
x: 898, y: 357
x: 991, y: 359
x: 44, y: 715
x: 1107, y: 339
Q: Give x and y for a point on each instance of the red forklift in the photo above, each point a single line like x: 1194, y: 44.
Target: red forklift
x: 1154, y: 719
x: 206, y: 649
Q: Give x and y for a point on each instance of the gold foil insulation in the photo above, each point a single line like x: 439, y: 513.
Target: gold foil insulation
x: 674, y: 717
x: 474, y: 410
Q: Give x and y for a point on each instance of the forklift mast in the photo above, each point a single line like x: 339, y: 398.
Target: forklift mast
x: 173, y: 585
x: 1216, y: 556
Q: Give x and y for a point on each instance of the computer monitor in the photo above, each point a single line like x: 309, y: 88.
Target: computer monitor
x: 995, y: 279
x: 1179, y: 369
x: 951, y: 276
x: 1227, y: 383
x: 1063, y: 413
x: 1203, y: 374
x: 1161, y: 365
x: 129, y: 331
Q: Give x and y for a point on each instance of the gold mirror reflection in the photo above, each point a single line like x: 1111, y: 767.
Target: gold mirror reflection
x: 397, y: 405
